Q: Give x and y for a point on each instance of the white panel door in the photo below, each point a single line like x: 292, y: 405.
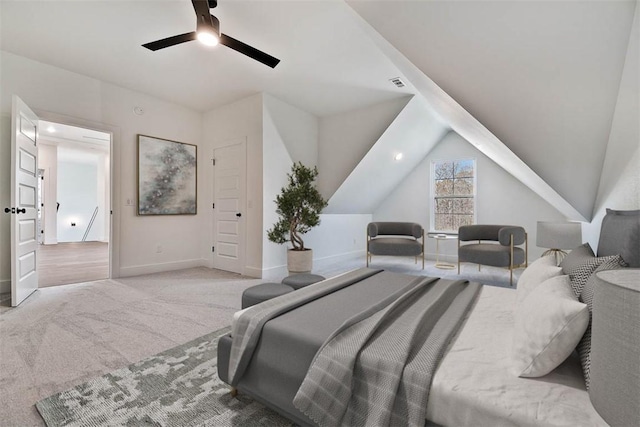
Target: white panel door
x: 229, y: 218
x: 24, y: 198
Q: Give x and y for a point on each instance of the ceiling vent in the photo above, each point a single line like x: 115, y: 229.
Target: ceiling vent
x: 397, y: 81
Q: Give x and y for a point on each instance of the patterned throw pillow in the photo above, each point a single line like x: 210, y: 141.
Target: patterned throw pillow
x: 581, y: 272
x: 576, y: 257
x: 586, y: 296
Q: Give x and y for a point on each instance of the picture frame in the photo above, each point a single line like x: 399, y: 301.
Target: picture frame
x: 167, y: 177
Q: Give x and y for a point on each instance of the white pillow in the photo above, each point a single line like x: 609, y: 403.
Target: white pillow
x: 537, y: 272
x: 548, y: 325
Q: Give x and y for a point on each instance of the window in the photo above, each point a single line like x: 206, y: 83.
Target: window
x: 454, y: 194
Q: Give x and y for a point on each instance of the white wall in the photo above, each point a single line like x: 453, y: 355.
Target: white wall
x: 289, y: 135
x: 338, y: 237
x: 344, y: 139
x: 50, y: 89
x: 277, y: 134
x: 296, y: 128
x: 413, y: 133
x: 620, y: 181
x: 501, y: 199
x: 78, y: 197
x: 48, y: 160
x: 241, y: 120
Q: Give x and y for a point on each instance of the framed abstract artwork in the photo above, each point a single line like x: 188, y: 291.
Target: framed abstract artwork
x: 167, y: 177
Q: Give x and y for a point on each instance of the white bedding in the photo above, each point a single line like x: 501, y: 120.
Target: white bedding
x: 474, y: 387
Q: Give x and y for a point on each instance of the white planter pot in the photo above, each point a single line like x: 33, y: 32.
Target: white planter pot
x: 300, y: 261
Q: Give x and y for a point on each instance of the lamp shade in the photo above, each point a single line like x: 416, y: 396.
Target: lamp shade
x: 558, y: 235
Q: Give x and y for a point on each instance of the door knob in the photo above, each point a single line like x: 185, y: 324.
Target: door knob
x: 9, y: 210
x: 238, y: 214
x: 23, y: 210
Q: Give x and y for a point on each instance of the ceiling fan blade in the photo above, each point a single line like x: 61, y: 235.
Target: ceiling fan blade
x: 170, y: 41
x: 250, y: 51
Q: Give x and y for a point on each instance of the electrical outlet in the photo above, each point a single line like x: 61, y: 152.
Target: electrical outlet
x: 129, y: 202
x: 159, y: 249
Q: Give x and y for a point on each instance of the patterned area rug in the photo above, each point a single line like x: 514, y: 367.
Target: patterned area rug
x: 178, y: 387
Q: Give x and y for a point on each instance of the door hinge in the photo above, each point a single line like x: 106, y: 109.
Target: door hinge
x: 213, y: 161
x: 213, y: 248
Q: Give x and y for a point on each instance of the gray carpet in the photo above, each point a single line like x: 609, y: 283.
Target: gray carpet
x: 65, y: 335
x: 178, y: 387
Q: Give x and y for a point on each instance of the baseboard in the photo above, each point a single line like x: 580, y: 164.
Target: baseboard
x: 280, y: 271
x: 275, y: 273
x: 5, y: 286
x: 138, y: 270
x: 442, y: 257
x: 324, y: 261
x: 253, y: 272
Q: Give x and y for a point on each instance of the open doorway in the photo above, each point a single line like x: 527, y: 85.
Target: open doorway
x: 75, y: 202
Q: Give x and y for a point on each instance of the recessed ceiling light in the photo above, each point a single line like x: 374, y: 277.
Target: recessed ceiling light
x: 51, y: 129
x: 397, y: 156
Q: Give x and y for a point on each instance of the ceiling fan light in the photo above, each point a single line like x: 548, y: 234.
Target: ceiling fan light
x: 207, y: 38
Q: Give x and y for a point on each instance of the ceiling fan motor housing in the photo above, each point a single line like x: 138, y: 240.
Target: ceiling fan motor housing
x: 208, y: 23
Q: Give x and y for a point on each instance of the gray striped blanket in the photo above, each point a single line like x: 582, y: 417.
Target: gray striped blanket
x: 376, y: 369
x: 248, y: 327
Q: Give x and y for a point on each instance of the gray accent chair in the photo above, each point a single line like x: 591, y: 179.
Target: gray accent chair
x: 496, y: 246
x: 396, y: 239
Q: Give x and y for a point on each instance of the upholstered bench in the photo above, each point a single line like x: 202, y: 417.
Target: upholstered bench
x: 265, y: 291
x: 297, y: 281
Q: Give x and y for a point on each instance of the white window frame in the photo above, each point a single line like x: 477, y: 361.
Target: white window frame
x: 432, y: 198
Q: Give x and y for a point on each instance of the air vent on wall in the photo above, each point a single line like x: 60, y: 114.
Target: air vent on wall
x: 397, y: 81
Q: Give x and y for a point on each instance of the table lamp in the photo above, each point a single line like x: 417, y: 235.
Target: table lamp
x: 558, y: 235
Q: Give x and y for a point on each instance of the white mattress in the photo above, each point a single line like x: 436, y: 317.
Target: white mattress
x: 474, y: 387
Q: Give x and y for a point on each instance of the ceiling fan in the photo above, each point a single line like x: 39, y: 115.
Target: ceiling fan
x: 208, y: 33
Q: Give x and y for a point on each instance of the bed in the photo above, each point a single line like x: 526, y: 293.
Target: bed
x: 472, y: 384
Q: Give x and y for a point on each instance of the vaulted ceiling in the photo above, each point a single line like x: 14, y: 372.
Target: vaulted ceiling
x: 541, y: 76
x: 327, y: 63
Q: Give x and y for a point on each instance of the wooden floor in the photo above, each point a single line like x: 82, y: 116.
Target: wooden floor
x: 76, y: 262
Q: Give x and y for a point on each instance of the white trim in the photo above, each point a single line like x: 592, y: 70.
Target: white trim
x: 342, y: 257
x: 443, y: 257
x: 280, y: 271
x: 275, y: 273
x: 137, y: 270
x: 253, y: 272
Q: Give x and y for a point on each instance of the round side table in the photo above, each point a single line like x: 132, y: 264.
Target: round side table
x: 615, y: 347
x: 438, y: 238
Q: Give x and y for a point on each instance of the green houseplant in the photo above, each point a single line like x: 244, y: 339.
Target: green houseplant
x: 298, y: 206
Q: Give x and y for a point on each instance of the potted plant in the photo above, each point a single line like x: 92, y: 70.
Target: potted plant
x: 298, y: 205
